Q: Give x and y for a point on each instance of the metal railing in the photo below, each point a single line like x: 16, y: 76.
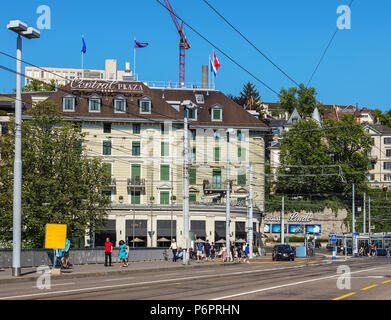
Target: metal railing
x: 38, y: 257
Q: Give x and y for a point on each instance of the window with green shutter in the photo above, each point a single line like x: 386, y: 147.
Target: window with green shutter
x: 136, y: 148
x: 241, y: 179
x: 164, y: 172
x: 216, y: 114
x: 217, y: 154
x: 136, y: 173
x: 107, y: 171
x: 192, y: 176
x: 107, y: 147
x: 164, y: 197
x: 241, y: 154
x: 164, y: 149
x: 135, y: 197
x: 192, y: 197
x: 136, y: 128
x: 216, y: 179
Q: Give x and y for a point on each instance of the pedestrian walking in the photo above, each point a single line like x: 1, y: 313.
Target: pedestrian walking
x: 247, y: 252
x: 200, y: 250
x: 108, y: 251
x: 65, y: 254
x: 123, y: 248
x: 207, y: 249
x: 223, y: 252
x: 127, y: 254
x: 174, y: 249
x: 212, y: 251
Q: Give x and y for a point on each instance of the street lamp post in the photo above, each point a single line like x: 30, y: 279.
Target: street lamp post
x: 30, y: 33
x: 188, y: 105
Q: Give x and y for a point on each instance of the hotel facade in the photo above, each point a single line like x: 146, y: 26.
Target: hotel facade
x: 138, y: 133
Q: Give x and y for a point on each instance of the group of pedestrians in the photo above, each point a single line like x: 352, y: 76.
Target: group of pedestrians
x: 123, y: 253
x: 369, y: 250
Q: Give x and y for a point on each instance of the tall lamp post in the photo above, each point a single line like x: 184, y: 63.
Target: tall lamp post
x: 187, y: 105
x: 21, y: 29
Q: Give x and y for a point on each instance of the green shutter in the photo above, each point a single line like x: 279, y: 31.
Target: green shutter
x: 135, y: 197
x: 164, y: 197
x: 192, y: 197
x: 136, y: 148
x: 164, y: 172
x: 107, y: 147
x: 241, y: 179
x: 217, y: 154
x: 216, y: 114
x: 136, y: 171
x: 241, y: 154
x: 192, y: 176
x: 164, y: 151
x: 107, y: 170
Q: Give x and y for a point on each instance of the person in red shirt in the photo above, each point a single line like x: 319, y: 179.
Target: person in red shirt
x: 108, y: 251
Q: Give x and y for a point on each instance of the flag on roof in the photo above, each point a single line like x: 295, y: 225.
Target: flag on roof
x: 84, y: 48
x: 140, y: 44
x: 216, y: 61
x: 212, y: 67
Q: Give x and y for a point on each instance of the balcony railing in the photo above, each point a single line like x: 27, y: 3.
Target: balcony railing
x: 215, y: 187
x: 136, y: 182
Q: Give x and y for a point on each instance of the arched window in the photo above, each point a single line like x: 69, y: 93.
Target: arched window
x: 119, y: 104
x: 94, y: 103
x: 68, y: 102
x: 145, y: 104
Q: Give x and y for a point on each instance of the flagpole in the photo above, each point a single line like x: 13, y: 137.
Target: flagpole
x: 209, y: 73
x: 134, y: 59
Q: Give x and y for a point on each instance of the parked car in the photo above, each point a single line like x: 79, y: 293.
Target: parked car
x: 283, y: 252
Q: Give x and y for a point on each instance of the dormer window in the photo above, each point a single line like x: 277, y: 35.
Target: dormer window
x: 119, y: 104
x: 94, y: 102
x: 192, y: 114
x: 68, y: 103
x: 145, y: 104
x: 200, y: 98
x: 217, y: 113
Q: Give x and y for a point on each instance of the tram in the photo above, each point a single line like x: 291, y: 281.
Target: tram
x: 382, y: 240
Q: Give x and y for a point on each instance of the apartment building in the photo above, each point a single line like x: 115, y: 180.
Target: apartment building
x: 137, y: 131
x: 65, y: 75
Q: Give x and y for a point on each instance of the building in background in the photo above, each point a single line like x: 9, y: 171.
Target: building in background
x: 65, y: 75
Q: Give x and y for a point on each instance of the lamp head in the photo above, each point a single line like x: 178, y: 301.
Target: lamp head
x: 17, y: 26
x: 31, y: 33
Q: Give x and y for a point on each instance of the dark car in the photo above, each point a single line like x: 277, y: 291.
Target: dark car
x: 283, y: 252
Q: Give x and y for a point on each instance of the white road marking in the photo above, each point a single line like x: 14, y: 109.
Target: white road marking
x: 144, y: 282
x: 291, y: 284
x: 117, y: 279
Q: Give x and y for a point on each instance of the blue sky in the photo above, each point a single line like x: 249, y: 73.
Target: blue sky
x: 293, y: 34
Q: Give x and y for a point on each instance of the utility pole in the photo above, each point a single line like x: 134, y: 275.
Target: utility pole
x: 250, y: 213
x: 227, y: 204
x: 369, y: 217
x: 282, y: 222
x: 186, y: 218
x: 354, y: 247
x: 364, y: 226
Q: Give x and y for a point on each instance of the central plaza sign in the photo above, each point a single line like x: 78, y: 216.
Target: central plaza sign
x: 114, y: 85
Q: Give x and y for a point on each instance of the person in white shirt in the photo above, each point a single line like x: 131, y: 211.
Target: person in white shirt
x: 174, y: 249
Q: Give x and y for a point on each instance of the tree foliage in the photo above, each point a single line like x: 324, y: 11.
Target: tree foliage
x: 37, y: 85
x: 307, y: 150
x: 302, y: 98
x: 60, y: 183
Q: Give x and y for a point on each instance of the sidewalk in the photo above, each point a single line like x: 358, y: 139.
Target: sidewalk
x: 81, y: 271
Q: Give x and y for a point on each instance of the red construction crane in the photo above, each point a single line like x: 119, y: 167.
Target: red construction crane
x: 183, y: 45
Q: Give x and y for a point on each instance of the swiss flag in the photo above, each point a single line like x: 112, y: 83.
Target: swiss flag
x: 216, y: 61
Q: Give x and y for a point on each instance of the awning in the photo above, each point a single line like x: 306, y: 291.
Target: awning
x: 163, y: 240
x: 211, y: 196
x: 137, y: 240
x: 221, y: 241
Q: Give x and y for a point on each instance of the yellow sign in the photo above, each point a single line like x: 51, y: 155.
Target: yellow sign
x: 55, y: 236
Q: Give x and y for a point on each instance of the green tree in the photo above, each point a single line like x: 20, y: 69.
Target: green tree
x: 303, y: 151
x: 302, y: 98
x: 37, y: 85
x: 307, y: 150
x: 60, y: 183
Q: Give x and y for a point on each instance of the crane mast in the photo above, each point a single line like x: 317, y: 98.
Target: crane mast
x: 183, y: 45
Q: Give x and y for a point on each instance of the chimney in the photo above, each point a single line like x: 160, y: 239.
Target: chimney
x: 205, y: 81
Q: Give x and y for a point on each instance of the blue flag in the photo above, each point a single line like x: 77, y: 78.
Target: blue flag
x: 84, y: 48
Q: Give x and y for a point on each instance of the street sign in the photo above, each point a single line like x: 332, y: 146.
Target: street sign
x: 55, y: 236
x: 356, y: 233
x: 333, y: 238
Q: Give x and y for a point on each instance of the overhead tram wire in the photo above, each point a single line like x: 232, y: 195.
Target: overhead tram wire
x: 249, y: 42
x: 324, y: 52
x: 218, y: 49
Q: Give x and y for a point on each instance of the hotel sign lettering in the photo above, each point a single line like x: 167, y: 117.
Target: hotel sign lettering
x: 78, y: 84
x: 293, y: 217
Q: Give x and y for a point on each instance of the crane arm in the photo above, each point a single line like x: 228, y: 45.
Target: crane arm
x: 179, y: 28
